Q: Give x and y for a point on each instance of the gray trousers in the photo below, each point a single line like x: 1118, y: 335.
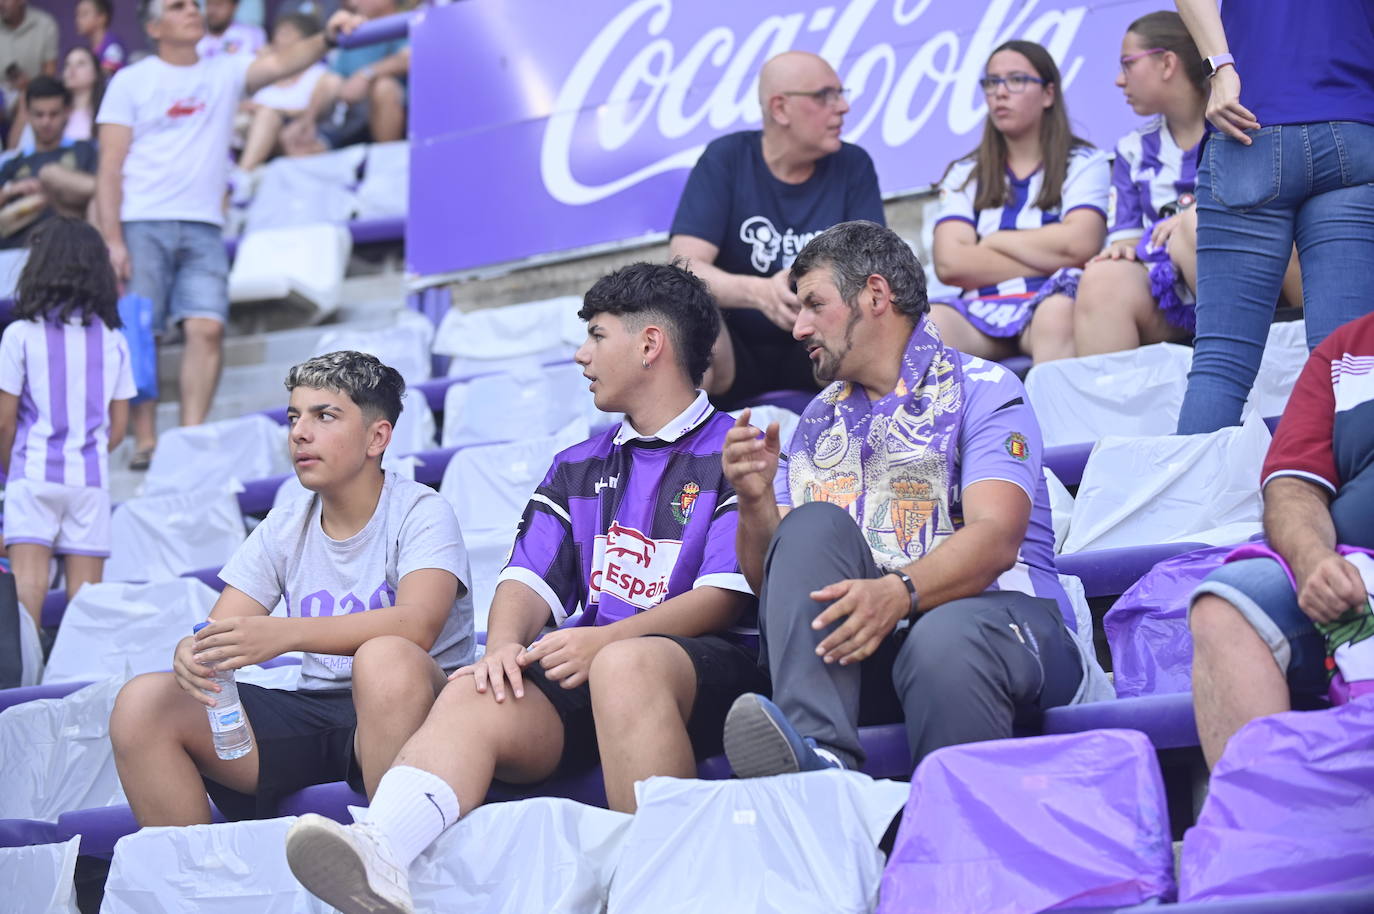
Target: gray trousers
x: 968, y: 670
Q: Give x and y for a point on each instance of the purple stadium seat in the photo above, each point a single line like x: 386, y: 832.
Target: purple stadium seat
x: 102, y: 827
x: 795, y: 400
x: 1017, y: 365
x: 26, y: 832
x: 1166, y: 719
x: 54, y: 605
x: 1109, y: 572
x: 256, y: 497
x: 11, y: 697
x: 1067, y: 462
x: 369, y: 231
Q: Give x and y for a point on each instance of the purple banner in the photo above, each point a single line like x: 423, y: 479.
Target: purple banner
x: 539, y: 126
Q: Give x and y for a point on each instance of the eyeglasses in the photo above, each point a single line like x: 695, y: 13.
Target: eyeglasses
x: 1130, y: 59
x: 830, y: 95
x: 1015, y: 82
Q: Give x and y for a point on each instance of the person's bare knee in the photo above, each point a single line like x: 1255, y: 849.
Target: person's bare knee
x: 145, y: 713
x: 392, y: 671
x: 626, y: 676
x: 203, y: 331
x: 1050, y: 334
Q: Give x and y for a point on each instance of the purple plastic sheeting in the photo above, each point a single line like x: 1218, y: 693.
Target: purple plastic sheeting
x: 1290, y: 808
x: 1023, y: 825
x: 1147, y: 629
x: 1166, y: 720
x: 1299, y: 903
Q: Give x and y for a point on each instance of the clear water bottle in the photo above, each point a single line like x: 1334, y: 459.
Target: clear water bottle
x: 228, y: 724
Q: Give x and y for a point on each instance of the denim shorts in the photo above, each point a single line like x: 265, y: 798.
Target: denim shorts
x: 1259, y: 588
x: 181, y: 267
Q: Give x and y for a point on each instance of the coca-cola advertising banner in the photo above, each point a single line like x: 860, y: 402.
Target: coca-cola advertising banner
x: 541, y: 126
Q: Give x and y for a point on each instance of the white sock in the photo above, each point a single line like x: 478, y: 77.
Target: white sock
x: 412, y: 808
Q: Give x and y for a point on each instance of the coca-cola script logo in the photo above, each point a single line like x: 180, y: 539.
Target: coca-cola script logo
x: 903, y: 69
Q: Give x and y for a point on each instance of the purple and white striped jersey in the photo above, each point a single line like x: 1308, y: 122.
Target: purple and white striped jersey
x: 1085, y: 185
x: 65, y: 376
x: 623, y: 522
x: 1150, y: 176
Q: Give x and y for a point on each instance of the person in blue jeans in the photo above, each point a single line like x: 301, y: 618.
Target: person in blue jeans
x: 1290, y: 158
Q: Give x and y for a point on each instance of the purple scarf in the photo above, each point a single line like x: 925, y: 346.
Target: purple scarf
x: 889, y: 463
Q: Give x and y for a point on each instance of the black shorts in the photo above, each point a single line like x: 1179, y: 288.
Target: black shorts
x: 302, y: 738
x: 724, y: 672
x: 766, y: 358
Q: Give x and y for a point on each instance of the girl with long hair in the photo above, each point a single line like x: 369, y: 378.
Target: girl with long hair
x: 1030, y: 200
x: 65, y: 385
x: 84, y: 79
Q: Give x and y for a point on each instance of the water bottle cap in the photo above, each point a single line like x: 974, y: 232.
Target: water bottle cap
x: 198, y: 626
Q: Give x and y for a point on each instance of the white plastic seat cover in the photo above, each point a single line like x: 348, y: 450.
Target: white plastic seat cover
x: 791, y: 845
x: 1171, y: 489
x: 1135, y: 392
x: 114, y: 629
x: 385, y: 188
x: 511, y: 406
x: 40, y: 878
x: 302, y: 190
x: 492, y: 335
x: 155, y: 537
x: 241, y: 449
x: 56, y: 754
x: 303, y: 265
x: 405, y: 345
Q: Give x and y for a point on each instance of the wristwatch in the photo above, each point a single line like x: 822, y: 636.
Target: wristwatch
x: 1214, y: 63
x: 911, y: 590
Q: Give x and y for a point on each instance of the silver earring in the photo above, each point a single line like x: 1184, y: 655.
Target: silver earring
x: 646, y: 363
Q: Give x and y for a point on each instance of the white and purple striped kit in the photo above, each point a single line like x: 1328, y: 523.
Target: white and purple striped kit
x: 1149, y: 178
x: 65, y: 376
x: 1085, y: 185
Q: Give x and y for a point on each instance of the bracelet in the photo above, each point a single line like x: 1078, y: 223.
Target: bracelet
x: 911, y: 590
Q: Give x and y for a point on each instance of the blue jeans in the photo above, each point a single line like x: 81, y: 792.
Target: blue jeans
x: 1309, y: 183
x: 181, y: 267
x: 1260, y: 590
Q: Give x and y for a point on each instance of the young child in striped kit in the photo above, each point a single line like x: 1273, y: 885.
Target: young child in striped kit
x: 65, y: 385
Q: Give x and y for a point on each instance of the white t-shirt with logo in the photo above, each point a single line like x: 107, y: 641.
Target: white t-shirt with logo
x: 182, y: 119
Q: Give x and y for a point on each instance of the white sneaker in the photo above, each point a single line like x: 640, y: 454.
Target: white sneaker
x: 350, y: 867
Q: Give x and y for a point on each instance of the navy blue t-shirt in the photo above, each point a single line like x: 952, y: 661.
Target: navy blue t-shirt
x: 1303, y: 63
x: 760, y: 224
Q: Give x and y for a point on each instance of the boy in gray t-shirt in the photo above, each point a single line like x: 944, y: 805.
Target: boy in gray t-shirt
x: 373, y: 573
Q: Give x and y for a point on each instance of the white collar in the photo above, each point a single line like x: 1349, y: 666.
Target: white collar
x: 675, y: 428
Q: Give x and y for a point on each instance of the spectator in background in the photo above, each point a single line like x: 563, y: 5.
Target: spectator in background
x: 1290, y: 158
x: 86, y: 83
x: 28, y: 48
x: 225, y: 36
x: 58, y: 177
x: 752, y: 202
x: 57, y: 499
x: 1030, y: 201
x: 1140, y: 289
x: 273, y: 105
x: 164, y: 141
x: 93, y: 19
x: 361, y: 99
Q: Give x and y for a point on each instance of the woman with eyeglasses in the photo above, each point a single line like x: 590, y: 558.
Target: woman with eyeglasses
x: 1140, y: 289
x: 1029, y: 201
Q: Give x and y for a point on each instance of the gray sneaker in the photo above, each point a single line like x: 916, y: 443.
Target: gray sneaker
x: 350, y: 867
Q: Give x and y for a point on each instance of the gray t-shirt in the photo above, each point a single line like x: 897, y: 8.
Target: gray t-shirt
x: 290, y: 556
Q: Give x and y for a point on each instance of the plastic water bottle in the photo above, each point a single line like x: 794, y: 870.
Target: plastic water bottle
x: 227, y: 723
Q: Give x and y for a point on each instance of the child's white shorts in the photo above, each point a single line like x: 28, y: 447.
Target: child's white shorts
x: 71, y: 520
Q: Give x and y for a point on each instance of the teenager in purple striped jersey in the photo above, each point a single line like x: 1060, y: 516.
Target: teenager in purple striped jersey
x: 634, y: 527
x: 1140, y: 289
x: 1031, y: 200
x: 65, y: 385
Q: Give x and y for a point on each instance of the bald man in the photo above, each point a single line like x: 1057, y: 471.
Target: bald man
x: 752, y: 202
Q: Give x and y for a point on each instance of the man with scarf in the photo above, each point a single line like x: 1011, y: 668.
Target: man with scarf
x: 912, y: 446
